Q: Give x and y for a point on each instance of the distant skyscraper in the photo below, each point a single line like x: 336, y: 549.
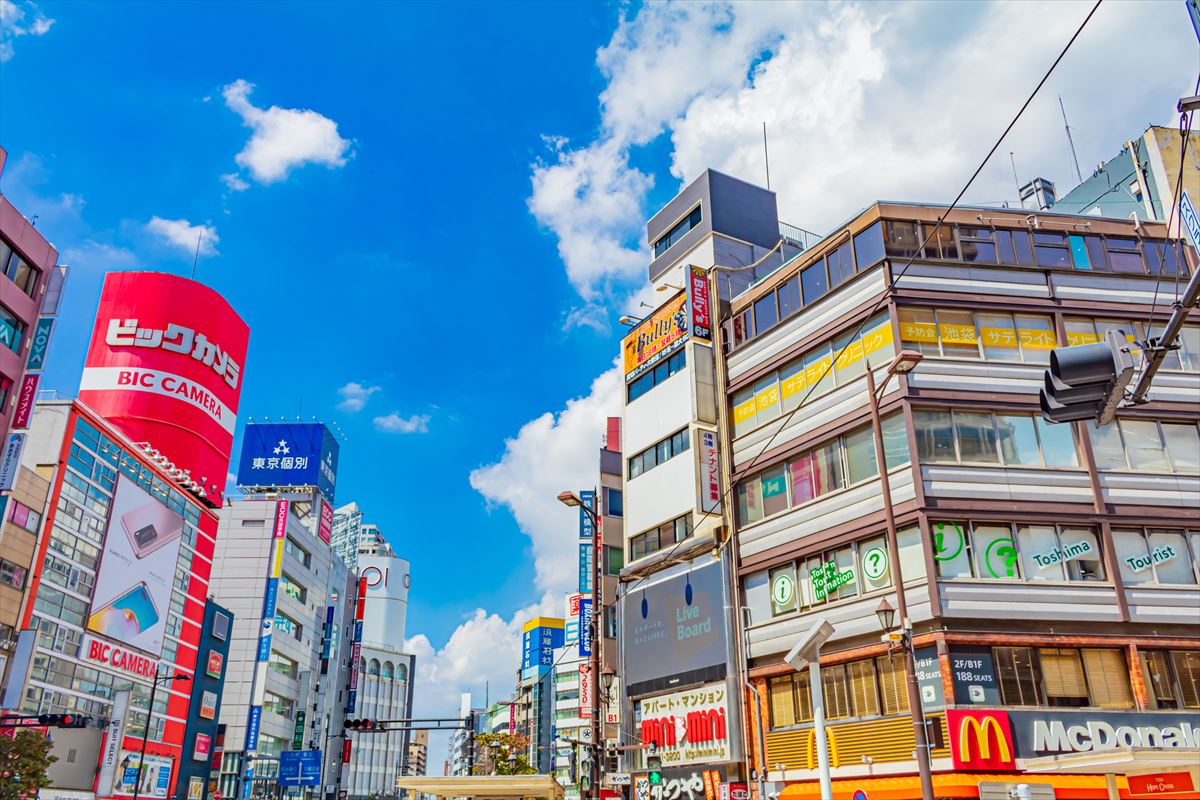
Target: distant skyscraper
x: 347, y: 523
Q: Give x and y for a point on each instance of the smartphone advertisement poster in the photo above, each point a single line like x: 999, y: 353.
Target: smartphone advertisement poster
x: 156, y: 775
x: 137, y: 566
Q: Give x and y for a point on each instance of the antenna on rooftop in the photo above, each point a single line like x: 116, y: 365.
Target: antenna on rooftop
x: 1017, y: 181
x: 1070, y: 141
x: 196, y: 258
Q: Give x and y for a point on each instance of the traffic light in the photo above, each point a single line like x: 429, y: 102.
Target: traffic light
x: 365, y: 725
x: 63, y: 721
x: 654, y: 767
x: 1087, y: 381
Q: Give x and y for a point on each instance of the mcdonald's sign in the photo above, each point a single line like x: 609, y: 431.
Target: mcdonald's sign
x: 810, y: 748
x: 980, y: 740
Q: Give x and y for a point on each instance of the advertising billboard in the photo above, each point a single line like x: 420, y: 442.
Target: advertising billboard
x: 674, y: 627
x: 661, y: 334
x: 165, y: 366
x: 688, y: 727
x: 289, y: 454
x: 137, y: 567
x: 539, y: 638
x: 156, y: 775
x: 386, y: 607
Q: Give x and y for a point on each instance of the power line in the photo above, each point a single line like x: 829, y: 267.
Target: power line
x: 891, y: 285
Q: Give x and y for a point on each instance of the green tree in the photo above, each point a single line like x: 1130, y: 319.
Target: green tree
x: 497, y: 752
x: 23, y: 762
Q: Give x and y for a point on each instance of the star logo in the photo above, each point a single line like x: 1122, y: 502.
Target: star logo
x: 282, y: 448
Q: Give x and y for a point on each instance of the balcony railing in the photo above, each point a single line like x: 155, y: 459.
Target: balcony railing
x: 797, y: 236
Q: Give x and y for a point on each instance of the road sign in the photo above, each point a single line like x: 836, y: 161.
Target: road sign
x: 300, y: 768
x: 1187, y: 215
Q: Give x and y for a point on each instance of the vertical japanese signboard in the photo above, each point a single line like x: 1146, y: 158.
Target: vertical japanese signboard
x: 699, y: 304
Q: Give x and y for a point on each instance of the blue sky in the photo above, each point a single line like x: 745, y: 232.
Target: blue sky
x: 444, y: 205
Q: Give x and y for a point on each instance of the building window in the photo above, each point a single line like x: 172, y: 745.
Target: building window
x: 614, y: 560
x: 811, y: 375
x: 293, y: 589
x: 1146, y: 445
x: 824, y: 469
x: 1017, y: 552
x: 1172, y: 678
x: 990, y: 336
x: 24, y: 517
x: 972, y: 437
x: 614, y: 505
x: 1018, y: 676
x: 868, y: 688
x: 282, y: 706
x: 297, y: 552
x: 677, y: 232
x: 1158, y: 557
x: 11, y: 330
x: 220, y: 628
x: 18, y: 270
x: 12, y: 574
x: 1063, y: 677
x: 868, y: 247
x: 288, y: 626
x: 1124, y: 255
x: 661, y: 537
x: 662, y: 371
x: 660, y: 453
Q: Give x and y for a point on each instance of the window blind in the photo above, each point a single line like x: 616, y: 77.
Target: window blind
x: 1108, y: 678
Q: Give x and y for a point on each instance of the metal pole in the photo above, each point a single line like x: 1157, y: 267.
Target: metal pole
x: 594, y: 657
x: 920, y: 733
x: 818, y: 698
x: 1154, y: 359
x: 137, y: 782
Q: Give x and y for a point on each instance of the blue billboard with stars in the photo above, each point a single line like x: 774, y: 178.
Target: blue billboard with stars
x: 277, y: 454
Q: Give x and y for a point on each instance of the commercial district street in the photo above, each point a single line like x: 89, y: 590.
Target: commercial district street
x: 898, y: 502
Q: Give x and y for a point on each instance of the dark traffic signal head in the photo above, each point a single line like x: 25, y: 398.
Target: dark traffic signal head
x: 1087, y: 381
x: 63, y: 721
x: 365, y: 725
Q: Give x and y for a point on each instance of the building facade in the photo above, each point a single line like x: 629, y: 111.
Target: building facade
x: 1051, y: 571
x: 203, y: 740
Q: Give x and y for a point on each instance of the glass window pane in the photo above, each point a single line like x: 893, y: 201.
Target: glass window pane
x: 1037, y: 338
x: 1058, y: 443
x: 789, y: 298
x: 1144, y: 445
x: 774, y: 491
x: 765, y: 314
x: 1022, y: 248
x: 860, y: 455
x: 1189, y: 338
x: 877, y: 340
x: 1134, y: 558
x: 951, y: 549
x: 1096, y: 255
x: 941, y: 242
x: 995, y: 552
x: 1106, y: 445
x: 802, y: 479
x: 1062, y: 676
x: 814, y: 283
x: 1169, y: 552
x: 782, y: 584
x: 918, y: 331
x: 1041, y: 559
x: 861, y: 678
x: 1125, y: 260
x: 976, y: 437
x: 1018, y: 440
x: 1183, y: 446
x: 827, y: 469
x: 792, y: 385
x: 844, y: 558
x: 895, y: 441
x: 912, y: 554
x: 1171, y: 360
x: 766, y: 399
x: 749, y: 501
x: 1080, y: 330
x: 841, y: 266
x: 850, y: 363
x: 977, y: 245
x: 957, y: 331
x: 1081, y: 554
x: 875, y: 570
x: 868, y: 247
x: 1019, y: 677
x: 783, y: 708
x: 1052, y: 256
x: 1187, y: 670
x: 900, y: 239
x: 935, y: 436
x: 744, y: 410
x: 998, y: 334
x: 893, y: 683
x: 1156, y: 675
x: 1004, y: 247
x: 1079, y: 253
x: 818, y: 371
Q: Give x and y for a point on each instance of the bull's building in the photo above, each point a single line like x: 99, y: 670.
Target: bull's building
x: 1051, y: 571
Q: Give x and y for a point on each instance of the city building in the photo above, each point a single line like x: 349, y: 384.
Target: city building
x: 203, y: 739
x: 384, y: 690
x: 461, y: 759
x: 418, y: 754
x: 31, y: 283
x: 540, y: 638
x: 353, y: 537
x: 1050, y: 572
x: 1140, y: 181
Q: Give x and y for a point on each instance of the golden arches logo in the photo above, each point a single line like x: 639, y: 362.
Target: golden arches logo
x: 810, y: 748
x: 982, y: 729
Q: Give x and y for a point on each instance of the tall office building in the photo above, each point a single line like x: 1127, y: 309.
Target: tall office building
x: 353, y: 537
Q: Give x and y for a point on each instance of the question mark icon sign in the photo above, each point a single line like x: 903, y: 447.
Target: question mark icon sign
x: 875, y: 563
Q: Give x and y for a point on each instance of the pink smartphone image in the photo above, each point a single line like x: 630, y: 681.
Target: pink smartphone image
x: 151, y: 526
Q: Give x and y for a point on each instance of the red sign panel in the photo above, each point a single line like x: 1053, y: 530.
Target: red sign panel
x: 699, y: 299
x: 216, y: 662
x: 25, y: 401
x: 1161, y: 784
x: 980, y: 740
x: 165, y: 367
x: 325, y: 529
x: 203, y: 747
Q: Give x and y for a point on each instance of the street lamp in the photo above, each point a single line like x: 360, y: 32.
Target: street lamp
x: 807, y: 652
x: 572, y: 500
x: 903, y: 363
x: 885, y: 614
x: 137, y: 782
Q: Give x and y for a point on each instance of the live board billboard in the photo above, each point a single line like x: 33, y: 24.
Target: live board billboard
x: 165, y: 367
x: 289, y: 454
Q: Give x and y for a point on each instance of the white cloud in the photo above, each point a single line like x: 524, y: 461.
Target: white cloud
x: 234, y: 183
x: 98, y: 256
x: 394, y: 423
x: 184, y: 235
x: 355, y: 395
x: 13, y: 24
x: 283, y: 138
x: 550, y: 454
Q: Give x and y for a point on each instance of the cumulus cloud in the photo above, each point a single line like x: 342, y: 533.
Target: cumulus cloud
x: 99, y: 256
x: 553, y: 452
x: 184, y: 235
x: 355, y: 396
x: 14, y: 24
x: 394, y: 423
x: 283, y: 138
x: 234, y: 183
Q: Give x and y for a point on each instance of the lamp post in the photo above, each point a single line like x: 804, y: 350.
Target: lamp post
x: 572, y: 500
x: 808, y: 652
x: 137, y: 781
x: 904, y: 362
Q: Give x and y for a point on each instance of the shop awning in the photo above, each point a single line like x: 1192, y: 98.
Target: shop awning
x: 517, y: 786
x: 957, y: 784
x: 1119, y: 760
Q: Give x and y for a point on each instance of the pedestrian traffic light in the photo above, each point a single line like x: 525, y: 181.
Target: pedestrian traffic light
x: 365, y: 725
x: 654, y: 767
x: 1087, y: 381
x: 63, y: 721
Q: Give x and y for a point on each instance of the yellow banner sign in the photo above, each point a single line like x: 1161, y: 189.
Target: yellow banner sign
x: 656, y: 336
